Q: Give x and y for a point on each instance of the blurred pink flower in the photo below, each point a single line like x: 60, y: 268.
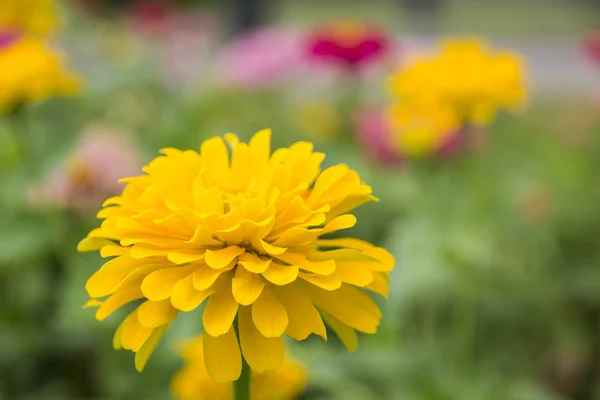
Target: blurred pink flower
x: 349, y: 44
x: 591, y: 45
x: 7, y: 38
x: 262, y: 58
x: 373, y: 133
x: 89, y: 173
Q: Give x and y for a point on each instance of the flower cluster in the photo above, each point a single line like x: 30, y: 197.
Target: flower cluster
x: 465, y: 82
x: 192, y: 382
x: 31, y: 71
x: 243, y: 231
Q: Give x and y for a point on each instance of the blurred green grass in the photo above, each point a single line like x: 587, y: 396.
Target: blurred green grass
x: 508, y: 18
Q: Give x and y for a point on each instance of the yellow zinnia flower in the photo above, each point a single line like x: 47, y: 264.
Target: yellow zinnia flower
x: 192, y: 382
x: 31, y: 71
x: 28, y: 16
x: 243, y: 232
x: 468, y: 76
x: 421, y: 130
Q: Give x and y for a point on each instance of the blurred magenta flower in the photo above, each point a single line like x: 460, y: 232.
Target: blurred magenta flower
x: 7, y: 38
x: 90, y: 172
x: 374, y: 134
x: 591, y: 45
x: 262, y: 58
x: 350, y: 44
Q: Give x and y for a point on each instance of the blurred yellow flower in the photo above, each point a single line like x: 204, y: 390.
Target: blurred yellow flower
x: 193, y: 382
x: 243, y: 233
x: 421, y: 130
x: 472, y: 78
x: 31, y: 71
x: 28, y: 16
x: 318, y: 121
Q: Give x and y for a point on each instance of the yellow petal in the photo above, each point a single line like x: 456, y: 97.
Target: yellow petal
x: 304, y: 318
x: 348, y: 304
x: 218, y: 259
x: 326, y: 267
x: 215, y: 152
x: 270, y: 249
x: 254, y: 263
x: 222, y: 356
x: 354, y: 272
x: 260, y: 146
x: 281, y: 274
x: 118, y: 300
x: 104, y: 281
x: 380, y: 284
x: 220, y: 311
x: 269, y: 315
x: 159, y: 284
x: 345, y: 221
x: 386, y: 260
x: 144, y: 353
x: 184, y: 258
x: 262, y: 354
x: 152, y: 314
x: 92, y: 244
x: 92, y: 303
x: 246, y: 286
x: 346, y: 334
x: 327, y: 282
x: 205, y: 277
x: 185, y: 297
x: 134, y: 335
x: 113, y: 250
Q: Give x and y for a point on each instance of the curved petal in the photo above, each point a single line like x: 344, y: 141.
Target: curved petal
x: 218, y: 259
x: 346, y: 334
x: 152, y: 314
x: 262, y: 354
x: 246, y: 286
x: 253, y: 263
x: 304, y: 318
x: 222, y: 356
x: 159, y: 285
x: 185, y: 297
x: 134, y: 335
x: 220, y: 310
x: 348, y: 304
x: 327, y: 282
x: 118, y: 300
x: 144, y: 353
x: 280, y: 275
x: 269, y: 315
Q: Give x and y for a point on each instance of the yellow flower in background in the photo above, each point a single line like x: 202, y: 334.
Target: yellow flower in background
x: 193, y: 382
x: 28, y: 16
x: 421, y: 130
x: 467, y: 75
x: 31, y: 71
x: 318, y: 121
x: 241, y: 233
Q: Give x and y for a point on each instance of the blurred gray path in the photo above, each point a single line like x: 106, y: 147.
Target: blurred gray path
x: 558, y: 66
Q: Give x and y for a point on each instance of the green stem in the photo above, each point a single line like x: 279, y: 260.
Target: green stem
x: 241, y: 387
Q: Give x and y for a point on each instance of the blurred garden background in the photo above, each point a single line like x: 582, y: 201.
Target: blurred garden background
x: 493, y: 217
